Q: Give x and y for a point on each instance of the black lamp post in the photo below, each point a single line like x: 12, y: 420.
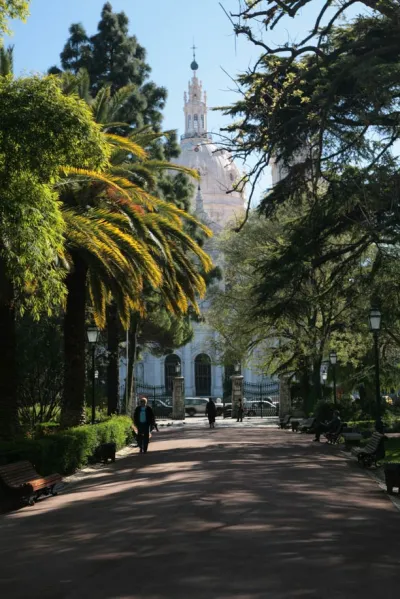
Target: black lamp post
x: 93, y: 335
x: 333, y: 360
x: 374, y: 327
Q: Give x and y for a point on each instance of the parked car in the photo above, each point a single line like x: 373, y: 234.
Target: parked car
x: 197, y: 405
x: 161, y: 408
x: 264, y: 407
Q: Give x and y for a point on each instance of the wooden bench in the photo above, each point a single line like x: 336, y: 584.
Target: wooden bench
x: 23, y: 482
x: 373, y: 451
x: 285, y: 421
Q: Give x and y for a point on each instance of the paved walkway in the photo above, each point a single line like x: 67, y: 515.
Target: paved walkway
x: 224, y: 514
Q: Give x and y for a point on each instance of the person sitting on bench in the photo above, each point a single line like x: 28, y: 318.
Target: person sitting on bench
x: 331, y: 426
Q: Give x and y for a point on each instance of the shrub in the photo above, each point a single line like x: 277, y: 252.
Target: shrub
x: 324, y: 411
x: 66, y: 451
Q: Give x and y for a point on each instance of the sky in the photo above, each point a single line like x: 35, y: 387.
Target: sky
x: 167, y: 29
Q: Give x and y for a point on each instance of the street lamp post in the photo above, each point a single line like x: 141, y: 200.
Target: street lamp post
x: 93, y: 335
x: 374, y: 327
x: 333, y: 360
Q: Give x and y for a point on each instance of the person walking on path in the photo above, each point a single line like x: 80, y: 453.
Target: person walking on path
x: 144, y: 421
x: 240, y: 411
x: 211, y: 412
x: 332, y: 426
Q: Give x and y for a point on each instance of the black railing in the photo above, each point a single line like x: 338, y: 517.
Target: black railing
x: 261, y: 399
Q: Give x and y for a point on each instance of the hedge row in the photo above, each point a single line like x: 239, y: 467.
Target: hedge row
x: 65, y: 452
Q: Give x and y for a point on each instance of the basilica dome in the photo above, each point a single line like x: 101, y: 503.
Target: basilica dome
x: 218, y: 172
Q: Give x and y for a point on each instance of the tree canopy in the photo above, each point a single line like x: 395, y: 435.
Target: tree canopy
x: 316, y: 106
x: 113, y: 57
x: 12, y: 9
x: 42, y: 131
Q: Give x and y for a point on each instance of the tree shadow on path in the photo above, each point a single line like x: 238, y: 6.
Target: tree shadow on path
x: 216, y: 515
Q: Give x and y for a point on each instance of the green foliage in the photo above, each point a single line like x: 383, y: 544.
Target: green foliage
x: 66, y: 452
x: 12, y: 9
x: 161, y: 332
x: 326, y: 110
x: 6, y: 60
x: 42, y: 131
x: 40, y: 370
x: 392, y: 448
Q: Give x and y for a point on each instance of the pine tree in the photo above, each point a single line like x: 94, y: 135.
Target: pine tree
x: 114, y: 57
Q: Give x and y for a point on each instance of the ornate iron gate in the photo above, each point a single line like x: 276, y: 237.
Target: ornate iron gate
x: 159, y: 398
x: 259, y: 396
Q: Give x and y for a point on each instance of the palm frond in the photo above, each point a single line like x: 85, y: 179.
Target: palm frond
x: 126, y: 144
x: 100, y: 104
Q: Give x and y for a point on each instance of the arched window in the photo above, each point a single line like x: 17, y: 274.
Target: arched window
x: 202, y: 375
x: 189, y: 124
x: 195, y: 122
x: 170, y: 371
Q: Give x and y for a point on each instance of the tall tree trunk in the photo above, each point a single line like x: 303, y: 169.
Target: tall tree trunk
x: 305, y: 388
x: 8, y: 366
x: 316, y: 375
x: 133, y: 332
x: 113, y: 359
x: 73, y: 408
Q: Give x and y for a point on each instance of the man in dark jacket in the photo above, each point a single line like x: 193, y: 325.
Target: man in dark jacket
x: 211, y: 412
x: 144, y: 421
x: 332, y: 426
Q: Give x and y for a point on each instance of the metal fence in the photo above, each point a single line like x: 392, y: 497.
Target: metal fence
x: 259, y: 396
x: 159, y: 398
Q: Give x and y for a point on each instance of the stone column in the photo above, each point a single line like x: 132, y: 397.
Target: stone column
x: 178, y: 398
x: 284, y: 396
x: 237, y: 392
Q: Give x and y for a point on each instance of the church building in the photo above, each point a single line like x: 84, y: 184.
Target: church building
x: 215, y: 207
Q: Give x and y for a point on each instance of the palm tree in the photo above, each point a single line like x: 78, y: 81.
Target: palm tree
x: 146, y: 231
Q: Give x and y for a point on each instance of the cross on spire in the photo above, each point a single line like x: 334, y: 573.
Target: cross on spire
x: 194, y: 48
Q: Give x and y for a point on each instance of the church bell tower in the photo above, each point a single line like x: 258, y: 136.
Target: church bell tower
x: 195, y: 105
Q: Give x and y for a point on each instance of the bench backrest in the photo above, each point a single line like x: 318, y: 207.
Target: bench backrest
x: 308, y: 422
x: 286, y: 418
x: 18, y: 473
x: 373, y: 443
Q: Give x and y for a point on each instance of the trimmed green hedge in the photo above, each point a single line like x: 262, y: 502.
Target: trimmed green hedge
x: 65, y: 452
